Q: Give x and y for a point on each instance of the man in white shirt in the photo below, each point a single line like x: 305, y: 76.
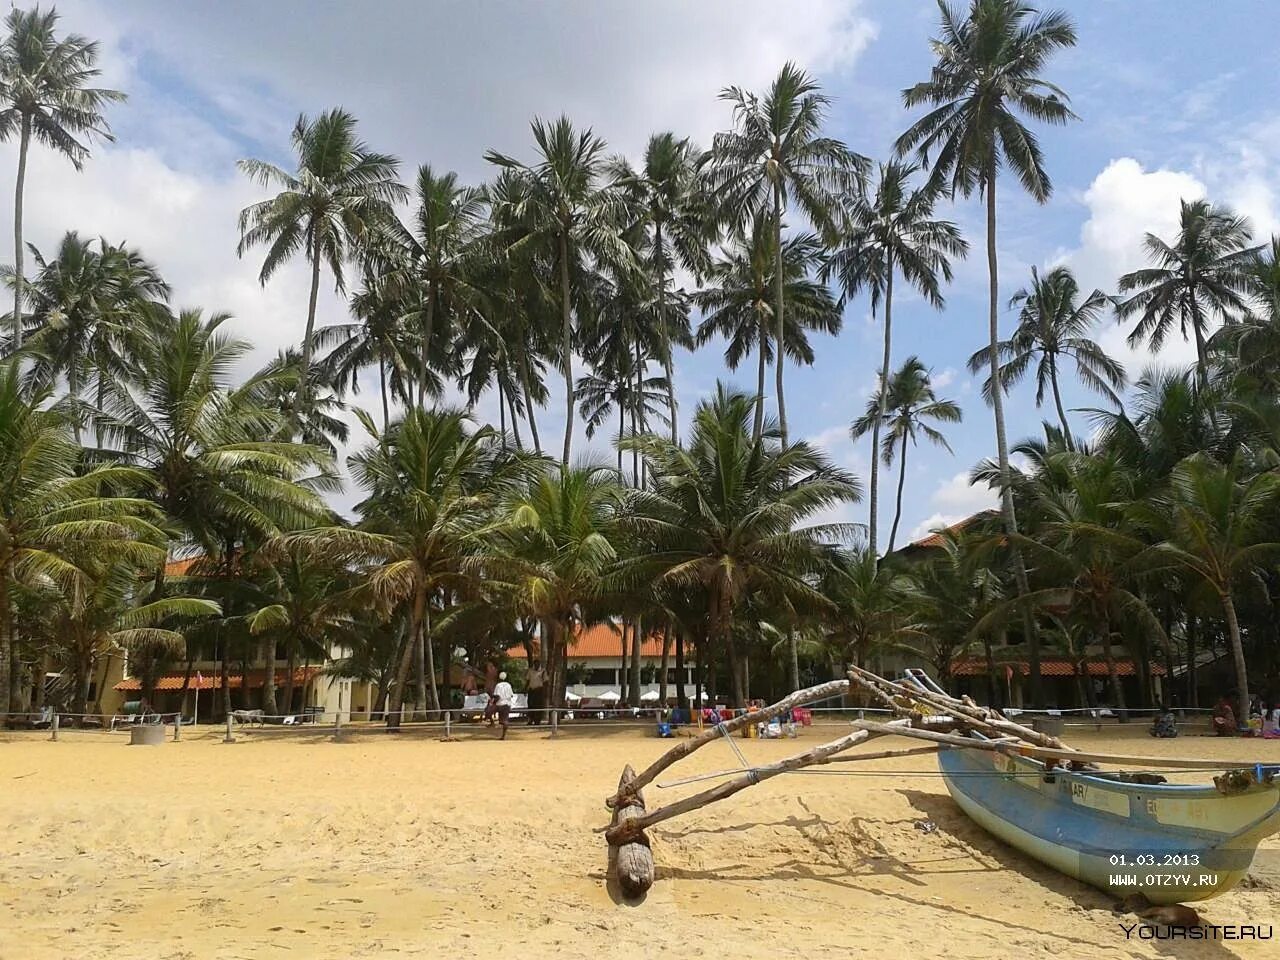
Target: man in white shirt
x: 503, y: 694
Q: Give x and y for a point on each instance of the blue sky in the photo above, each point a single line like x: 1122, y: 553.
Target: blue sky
x: 1176, y: 101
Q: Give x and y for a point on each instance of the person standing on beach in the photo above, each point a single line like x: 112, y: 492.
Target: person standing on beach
x: 502, y: 696
x: 535, y: 683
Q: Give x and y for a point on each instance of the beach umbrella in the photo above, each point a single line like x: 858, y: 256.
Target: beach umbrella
x: 610, y: 695
x: 649, y: 696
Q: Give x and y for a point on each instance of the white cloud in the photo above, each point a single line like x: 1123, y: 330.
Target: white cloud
x: 944, y: 379
x: 937, y: 521
x: 955, y: 495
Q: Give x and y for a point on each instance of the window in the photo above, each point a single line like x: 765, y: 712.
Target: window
x: 602, y: 677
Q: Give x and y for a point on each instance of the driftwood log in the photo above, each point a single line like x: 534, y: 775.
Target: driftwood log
x: 633, y: 860
x: 622, y: 832
x: 823, y: 691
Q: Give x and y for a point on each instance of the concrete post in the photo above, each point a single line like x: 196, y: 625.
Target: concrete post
x: 53, y: 726
x: 228, y: 738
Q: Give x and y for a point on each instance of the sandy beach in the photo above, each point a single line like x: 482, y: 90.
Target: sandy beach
x: 289, y: 846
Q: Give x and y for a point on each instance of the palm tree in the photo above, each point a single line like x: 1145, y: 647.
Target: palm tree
x: 44, y: 93
x: 1217, y: 523
x: 987, y: 72
x: 737, y: 303
x: 565, y: 214
x: 677, y: 226
x: 1052, y: 325
x: 436, y: 285
x: 1202, y: 272
x: 868, y: 598
x: 902, y: 405
x: 559, y: 546
x: 432, y: 487
x: 774, y: 156
x: 339, y: 196
x: 207, y: 451
x: 90, y: 309
x: 56, y: 518
x: 893, y: 231
x: 724, y: 515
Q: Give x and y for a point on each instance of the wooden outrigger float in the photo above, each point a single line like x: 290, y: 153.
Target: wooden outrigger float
x: 1127, y: 832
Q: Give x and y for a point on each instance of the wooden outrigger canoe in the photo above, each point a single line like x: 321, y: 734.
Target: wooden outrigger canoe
x: 1173, y: 843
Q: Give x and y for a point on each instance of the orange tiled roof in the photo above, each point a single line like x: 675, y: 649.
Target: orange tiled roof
x: 603, y: 640
x: 172, y: 682
x: 977, y: 666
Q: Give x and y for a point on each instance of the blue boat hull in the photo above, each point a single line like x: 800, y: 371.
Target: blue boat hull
x: 1173, y: 843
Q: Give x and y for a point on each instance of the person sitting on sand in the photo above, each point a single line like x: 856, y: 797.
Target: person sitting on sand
x: 1224, y: 718
x: 503, y: 695
x: 1165, y: 725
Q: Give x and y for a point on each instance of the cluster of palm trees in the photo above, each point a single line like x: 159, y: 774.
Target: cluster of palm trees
x: 125, y: 440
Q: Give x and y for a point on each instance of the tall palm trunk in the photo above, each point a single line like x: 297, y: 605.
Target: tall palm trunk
x: 291, y: 668
x: 525, y: 384
x: 419, y: 673
x: 1193, y: 692
x: 382, y: 386
x: 6, y: 641
x: 1237, y: 655
x: 308, y: 342
x: 1002, y: 443
x: 682, y: 696
x: 1117, y: 691
x: 758, y: 428
x: 637, y: 635
x: 267, y: 654
x: 622, y: 426
x: 667, y: 364
x: 428, y: 332
x: 779, y: 323
x: 433, y: 693
x: 396, y: 706
x: 566, y: 336
x: 1057, y: 402
x: 515, y: 419
x: 902, y: 479
x: 18, y: 190
x: 666, y: 659
x: 884, y: 408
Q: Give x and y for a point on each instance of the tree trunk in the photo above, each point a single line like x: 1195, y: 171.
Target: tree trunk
x: 884, y: 408
x: 433, y: 693
x: 1237, y: 655
x: 637, y: 641
x: 395, y: 708
x: 419, y: 672
x: 291, y: 669
x: 622, y: 426
x: 1057, y: 402
x: 427, y: 333
x: 758, y: 428
x: 382, y: 385
x: 308, y: 344
x: 566, y: 335
x: 1117, y: 691
x: 1193, y: 693
x: 1002, y: 444
x: 224, y: 670
x: 902, y: 479
x: 666, y: 659
x: 668, y: 366
x: 525, y: 382
x: 18, y: 188
x: 515, y: 419
x: 267, y: 654
x: 780, y: 356
x: 682, y: 696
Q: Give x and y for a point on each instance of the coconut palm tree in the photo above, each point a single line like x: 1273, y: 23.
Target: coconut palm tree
x: 339, y: 196
x: 1054, y: 325
x: 893, y: 231
x: 725, y: 515
x: 90, y: 309
x: 432, y: 486
x: 207, y: 450
x: 55, y: 517
x: 774, y: 157
x: 559, y: 546
x: 738, y: 302
x: 868, y: 599
x: 1217, y: 523
x: 902, y: 406
x: 1203, y: 272
x: 565, y: 214
x: 987, y: 72
x: 677, y: 226
x: 45, y: 94
x: 435, y: 282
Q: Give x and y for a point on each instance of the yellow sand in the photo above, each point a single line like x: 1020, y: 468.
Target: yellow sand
x: 291, y: 846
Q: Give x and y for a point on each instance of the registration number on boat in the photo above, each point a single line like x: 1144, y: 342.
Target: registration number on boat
x: 1107, y: 801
